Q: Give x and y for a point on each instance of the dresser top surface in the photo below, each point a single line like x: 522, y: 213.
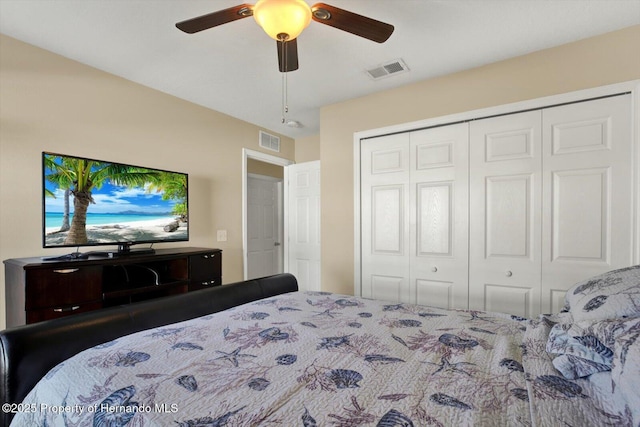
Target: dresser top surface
x: 104, y: 258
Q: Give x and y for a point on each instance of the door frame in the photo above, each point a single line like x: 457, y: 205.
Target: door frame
x: 267, y: 158
x: 632, y: 87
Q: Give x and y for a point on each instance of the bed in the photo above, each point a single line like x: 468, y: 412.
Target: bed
x: 284, y: 357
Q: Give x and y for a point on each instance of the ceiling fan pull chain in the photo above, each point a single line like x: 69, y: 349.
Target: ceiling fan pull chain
x: 285, y: 92
x: 283, y: 104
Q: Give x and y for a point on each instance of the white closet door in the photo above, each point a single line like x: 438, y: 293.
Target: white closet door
x: 385, y: 218
x: 439, y: 194
x: 505, y: 214
x: 588, y: 193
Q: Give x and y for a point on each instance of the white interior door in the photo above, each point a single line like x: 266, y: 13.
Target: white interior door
x: 505, y: 214
x: 264, y: 234
x: 587, y: 168
x: 303, y: 224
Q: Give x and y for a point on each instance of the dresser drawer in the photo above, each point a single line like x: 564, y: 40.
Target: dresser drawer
x: 203, y: 284
x: 205, y: 268
x: 61, y: 311
x: 64, y: 287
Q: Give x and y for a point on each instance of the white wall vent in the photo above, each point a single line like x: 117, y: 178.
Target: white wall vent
x: 270, y: 142
x: 390, y: 68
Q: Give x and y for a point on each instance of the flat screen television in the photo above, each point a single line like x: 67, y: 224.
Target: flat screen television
x: 88, y: 202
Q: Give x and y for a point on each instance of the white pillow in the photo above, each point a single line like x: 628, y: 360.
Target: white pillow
x: 611, y: 295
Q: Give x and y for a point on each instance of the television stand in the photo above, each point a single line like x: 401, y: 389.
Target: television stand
x: 37, y: 290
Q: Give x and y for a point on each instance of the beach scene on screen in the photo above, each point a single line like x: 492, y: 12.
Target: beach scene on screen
x: 89, y: 202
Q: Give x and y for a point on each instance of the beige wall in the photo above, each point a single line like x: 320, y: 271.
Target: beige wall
x: 263, y: 168
x: 50, y: 103
x: 606, y: 59
x: 308, y: 149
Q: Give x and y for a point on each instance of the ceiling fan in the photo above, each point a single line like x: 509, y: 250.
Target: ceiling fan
x: 284, y: 20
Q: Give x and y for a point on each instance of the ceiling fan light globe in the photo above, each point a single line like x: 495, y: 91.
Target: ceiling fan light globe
x: 277, y: 17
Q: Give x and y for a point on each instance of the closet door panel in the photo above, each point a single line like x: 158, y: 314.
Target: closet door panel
x: 579, y: 203
x: 387, y: 288
x: 434, y: 219
x: 509, y: 299
x: 505, y: 214
x: 436, y: 293
x: 387, y: 209
x: 439, y: 216
x: 587, y: 174
x: 508, y: 214
x: 385, y: 218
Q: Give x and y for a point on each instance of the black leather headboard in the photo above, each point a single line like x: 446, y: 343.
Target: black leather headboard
x: 28, y: 352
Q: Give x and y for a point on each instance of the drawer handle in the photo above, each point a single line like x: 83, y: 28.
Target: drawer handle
x: 208, y: 256
x: 434, y: 269
x: 211, y: 282
x: 509, y: 274
x: 66, y: 270
x: 62, y: 310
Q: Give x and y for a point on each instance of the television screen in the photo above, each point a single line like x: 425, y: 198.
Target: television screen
x: 90, y: 202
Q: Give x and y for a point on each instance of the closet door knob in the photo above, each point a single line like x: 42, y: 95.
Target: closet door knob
x: 509, y: 273
x: 434, y: 269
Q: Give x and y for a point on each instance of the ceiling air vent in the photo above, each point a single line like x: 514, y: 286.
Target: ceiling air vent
x: 270, y: 142
x: 390, y: 68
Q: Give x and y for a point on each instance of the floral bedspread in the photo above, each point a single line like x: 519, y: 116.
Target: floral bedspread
x: 317, y: 359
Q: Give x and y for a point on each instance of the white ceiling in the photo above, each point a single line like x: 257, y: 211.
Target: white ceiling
x: 233, y: 68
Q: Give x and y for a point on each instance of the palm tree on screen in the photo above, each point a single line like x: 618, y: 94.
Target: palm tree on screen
x: 173, y: 187
x: 82, y: 176
x: 61, y: 181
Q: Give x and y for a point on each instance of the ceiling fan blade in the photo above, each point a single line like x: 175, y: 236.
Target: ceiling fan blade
x: 351, y: 22
x: 287, y: 55
x: 214, y: 19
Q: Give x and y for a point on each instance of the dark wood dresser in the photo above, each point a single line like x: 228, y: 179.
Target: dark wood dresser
x: 38, y: 290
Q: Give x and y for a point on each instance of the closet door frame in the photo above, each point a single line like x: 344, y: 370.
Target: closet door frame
x: 632, y: 87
